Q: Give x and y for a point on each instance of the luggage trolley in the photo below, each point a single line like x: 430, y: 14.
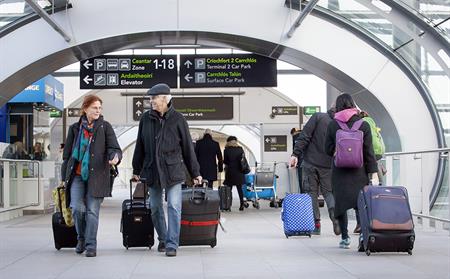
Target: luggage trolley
x: 261, y: 185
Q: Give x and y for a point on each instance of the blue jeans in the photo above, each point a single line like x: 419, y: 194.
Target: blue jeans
x: 85, y: 211
x: 170, y: 236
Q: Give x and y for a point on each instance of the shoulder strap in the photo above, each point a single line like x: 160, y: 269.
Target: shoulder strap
x: 357, y: 125
x: 343, y: 125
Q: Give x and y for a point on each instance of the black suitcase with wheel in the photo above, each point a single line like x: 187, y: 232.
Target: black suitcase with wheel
x: 226, y: 198
x: 200, y: 216
x: 136, y: 223
x: 64, y: 236
x: 386, y: 220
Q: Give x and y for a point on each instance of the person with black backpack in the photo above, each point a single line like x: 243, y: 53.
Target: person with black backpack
x: 349, y: 141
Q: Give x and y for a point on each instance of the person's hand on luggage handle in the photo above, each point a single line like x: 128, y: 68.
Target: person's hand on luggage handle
x: 375, y: 180
x: 198, y: 180
x: 114, y: 160
x: 135, y: 177
x: 293, y: 161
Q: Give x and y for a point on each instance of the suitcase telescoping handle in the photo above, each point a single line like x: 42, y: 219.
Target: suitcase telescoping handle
x: 142, y: 180
x: 205, y: 196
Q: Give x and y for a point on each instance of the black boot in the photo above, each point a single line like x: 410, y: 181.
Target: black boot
x: 241, y: 208
x: 336, y: 228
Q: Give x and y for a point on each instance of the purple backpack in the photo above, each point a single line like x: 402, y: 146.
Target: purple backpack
x: 349, y: 146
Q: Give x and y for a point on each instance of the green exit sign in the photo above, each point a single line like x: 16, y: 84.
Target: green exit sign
x: 310, y: 110
x: 55, y: 114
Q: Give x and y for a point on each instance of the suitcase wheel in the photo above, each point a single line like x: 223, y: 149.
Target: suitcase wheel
x: 246, y: 205
x: 410, y: 252
x: 368, y: 252
x: 287, y: 236
x: 58, y: 247
x: 213, y: 244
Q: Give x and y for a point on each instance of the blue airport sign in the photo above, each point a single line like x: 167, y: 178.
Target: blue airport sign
x: 47, y: 90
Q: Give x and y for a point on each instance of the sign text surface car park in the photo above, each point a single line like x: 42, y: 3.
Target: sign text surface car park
x: 128, y: 71
x: 227, y: 70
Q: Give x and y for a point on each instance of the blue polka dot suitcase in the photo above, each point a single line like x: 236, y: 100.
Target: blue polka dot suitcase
x: 297, y: 215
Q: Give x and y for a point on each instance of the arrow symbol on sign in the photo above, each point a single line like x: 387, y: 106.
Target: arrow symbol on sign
x: 138, y: 112
x: 267, y: 140
x: 188, y: 78
x: 138, y: 103
x: 70, y: 112
x: 274, y: 110
x: 188, y: 64
x: 87, y: 79
x: 87, y: 64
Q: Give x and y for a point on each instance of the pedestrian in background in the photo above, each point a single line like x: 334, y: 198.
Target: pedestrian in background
x: 234, y: 176
x: 209, y: 157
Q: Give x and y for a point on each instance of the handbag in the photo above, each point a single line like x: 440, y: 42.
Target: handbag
x: 245, y: 168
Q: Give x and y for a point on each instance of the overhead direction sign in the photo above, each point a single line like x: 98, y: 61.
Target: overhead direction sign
x: 192, y: 108
x: 205, y: 108
x: 310, y: 110
x: 128, y: 71
x: 275, y: 143
x: 227, y: 70
x: 286, y: 110
x: 73, y: 112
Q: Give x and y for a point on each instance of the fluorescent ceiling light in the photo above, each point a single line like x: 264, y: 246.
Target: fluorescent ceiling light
x: 177, y: 46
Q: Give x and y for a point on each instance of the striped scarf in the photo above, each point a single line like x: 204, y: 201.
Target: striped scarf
x: 81, y: 147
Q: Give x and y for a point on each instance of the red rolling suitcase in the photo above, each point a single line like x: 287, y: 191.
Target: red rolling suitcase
x: 386, y: 220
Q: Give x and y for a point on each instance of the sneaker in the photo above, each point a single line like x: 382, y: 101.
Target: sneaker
x: 81, y: 247
x: 345, y: 243
x: 336, y: 228
x: 91, y: 253
x: 316, y: 230
x: 161, y: 247
x: 357, y: 229
x: 171, y: 252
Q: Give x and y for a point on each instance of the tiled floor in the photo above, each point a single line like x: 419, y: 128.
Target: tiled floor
x: 254, y: 246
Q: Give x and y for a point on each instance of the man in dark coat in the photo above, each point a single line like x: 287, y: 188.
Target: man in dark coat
x: 163, y: 149
x: 207, y: 150
x: 316, y: 165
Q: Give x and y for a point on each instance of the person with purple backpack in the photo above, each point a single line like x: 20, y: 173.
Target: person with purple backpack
x: 349, y: 141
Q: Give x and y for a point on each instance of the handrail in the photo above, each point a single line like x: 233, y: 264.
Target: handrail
x: 418, y: 152
x: 432, y: 218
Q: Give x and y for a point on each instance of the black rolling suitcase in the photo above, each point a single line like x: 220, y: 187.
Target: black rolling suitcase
x: 200, y: 216
x: 226, y: 198
x: 386, y: 220
x: 136, y: 223
x: 64, y: 236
